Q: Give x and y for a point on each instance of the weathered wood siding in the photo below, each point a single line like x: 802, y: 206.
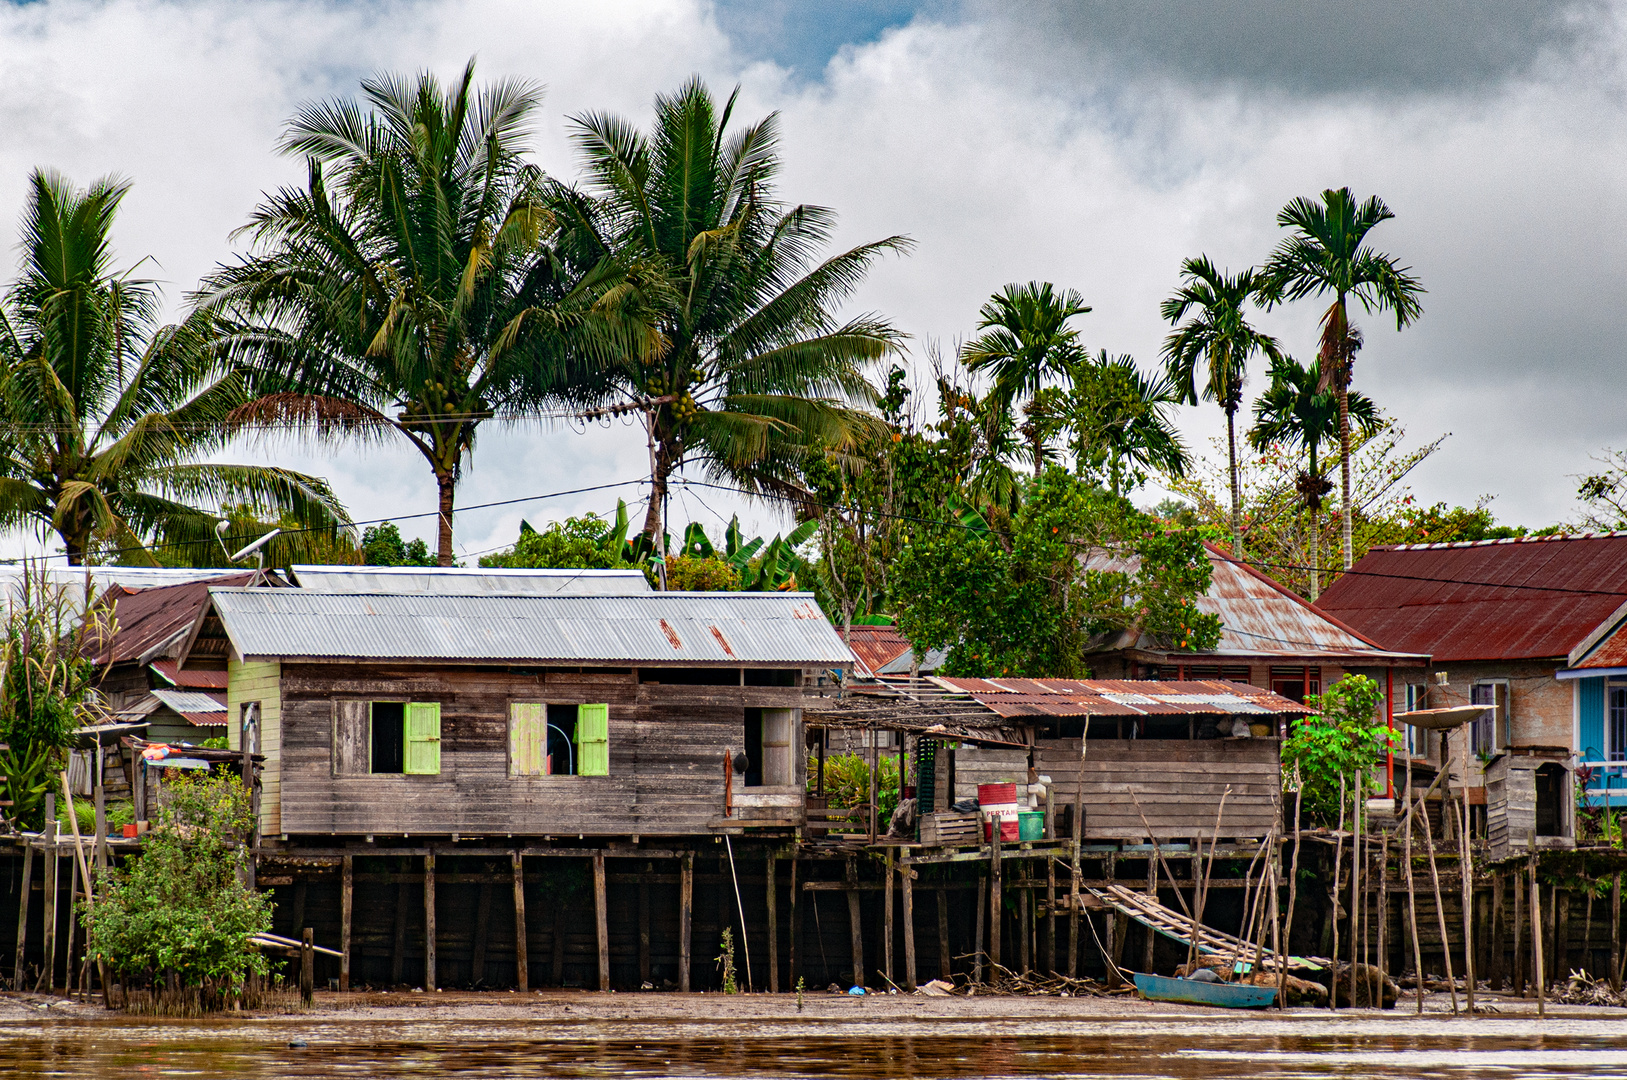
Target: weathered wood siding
x: 260, y: 682
x: 1178, y: 783
x: 667, y: 747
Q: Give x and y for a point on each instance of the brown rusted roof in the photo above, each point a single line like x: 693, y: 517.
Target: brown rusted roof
x: 1262, y: 620
x: 1494, y: 600
x: 190, y: 678
x: 145, y: 620
x: 1120, y: 697
x: 877, y: 646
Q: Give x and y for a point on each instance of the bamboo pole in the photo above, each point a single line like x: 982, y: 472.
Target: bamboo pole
x: 1537, y: 971
x: 1615, y: 934
x: 1338, y: 851
x: 1435, y: 885
x: 1358, y: 785
x: 1202, y: 897
x: 1293, y: 895
x: 1467, y: 873
x: 22, y: 915
x: 1078, y: 831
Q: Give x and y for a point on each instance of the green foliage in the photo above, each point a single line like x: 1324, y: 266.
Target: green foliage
x: 575, y: 543
x: 382, y: 545
x: 332, y: 545
x: 1343, y: 742
x: 1118, y: 422
x: 47, y: 689
x: 690, y: 573
x: 182, y: 907
x: 725, y: 961
x: 1029, y: 602
x: 847, y: 782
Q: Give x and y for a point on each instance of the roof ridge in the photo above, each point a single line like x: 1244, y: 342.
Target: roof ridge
x: 1608, y: 535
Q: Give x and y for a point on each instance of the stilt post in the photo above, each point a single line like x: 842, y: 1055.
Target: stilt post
x: 887, y: 918
x: 906, y: 885
x: 773, y: 931
x: 429, y: 921
x: 995, y: 903
x: 22, y: 916
x: 855, y: 927
x: 522, y: 966
x: 307, y: 967
x: 1537, y: 970
x: 601, y: 918
x: 686, y: 915
x: 347, y: 877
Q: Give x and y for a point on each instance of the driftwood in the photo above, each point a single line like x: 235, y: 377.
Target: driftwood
x: 1001, y: 981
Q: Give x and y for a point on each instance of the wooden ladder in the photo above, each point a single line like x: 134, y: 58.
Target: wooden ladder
x: 1177, y: 927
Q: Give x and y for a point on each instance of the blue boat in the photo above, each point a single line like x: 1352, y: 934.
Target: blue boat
x: 1218, y: 994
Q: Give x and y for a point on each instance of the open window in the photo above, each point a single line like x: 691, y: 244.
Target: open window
x: 386, y: 738
x: 1490, y: 731
x: 1417, y: 696
x: 770, y: 760
x: 558, y: 740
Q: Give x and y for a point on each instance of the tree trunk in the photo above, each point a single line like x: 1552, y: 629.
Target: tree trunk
x: 1316, y: 535
x: 1237, y: 503
x: 445, y: 483
x: 1346, y: 518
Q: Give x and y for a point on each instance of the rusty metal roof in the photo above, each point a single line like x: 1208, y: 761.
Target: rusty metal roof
x: 1496, y: 600
x: 668, y: 629
x: 190, y: 678
x: 882, y: 650
x: 1120, y: 697
x: 1261, y: 619
x: 148, y: 621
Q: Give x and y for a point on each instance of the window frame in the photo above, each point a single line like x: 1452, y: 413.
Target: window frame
x: 574, y: 738
x: 1615, y: 749
x: 1416, y: 696
x: 1502, y: 717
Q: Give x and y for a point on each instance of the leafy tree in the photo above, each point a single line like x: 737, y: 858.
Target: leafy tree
x: 748, y: 367
x: 1345, y: 741
x: 695, y: 573
x: 1327, y: 254
x: 1025, y: 340
x: 182, y: 909
x: 1219, y: 337
x: 575, y: 543
x: 294, y: 544
x: 48, y: 683
x: 1028, y: 602
x: 382, y: 545
x: 410, y: 290
x: 1298, y: 411
x: 106, y: 417
x: 1604, y: 494
x: 1118, y: 422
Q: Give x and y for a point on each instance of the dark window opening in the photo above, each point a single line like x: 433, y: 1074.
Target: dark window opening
x: 773, y: 677
x: 754, y: 748
x: 389, y: 737
x: 562, y: 740
x: 690, y: 676
x: 1550, y: 800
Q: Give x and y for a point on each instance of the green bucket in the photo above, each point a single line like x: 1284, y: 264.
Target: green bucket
x: 1030, y: 825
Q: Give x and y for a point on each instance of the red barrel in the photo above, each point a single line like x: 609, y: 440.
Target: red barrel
x: 996, y: 794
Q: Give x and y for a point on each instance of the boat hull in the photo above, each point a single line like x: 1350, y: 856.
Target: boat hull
x: 1215, y: 994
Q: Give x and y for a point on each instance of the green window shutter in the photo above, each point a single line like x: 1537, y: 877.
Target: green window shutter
x: 527, y: 739
x: 593, y: 740
x: 423, y: 738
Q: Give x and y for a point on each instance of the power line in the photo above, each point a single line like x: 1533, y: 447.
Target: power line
x: 1440, y: 580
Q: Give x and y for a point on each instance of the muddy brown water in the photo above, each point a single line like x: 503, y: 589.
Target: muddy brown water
x: 394, y: 1043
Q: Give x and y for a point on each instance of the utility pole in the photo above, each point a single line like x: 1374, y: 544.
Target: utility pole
x: 647, y: 406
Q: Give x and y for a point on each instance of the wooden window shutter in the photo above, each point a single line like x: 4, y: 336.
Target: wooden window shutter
x: 527, y: 739
x: 593, y: 740
x: 423, y: 738
x: 352, y: 746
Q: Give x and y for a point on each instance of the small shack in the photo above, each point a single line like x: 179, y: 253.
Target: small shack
x: 1529, y: 793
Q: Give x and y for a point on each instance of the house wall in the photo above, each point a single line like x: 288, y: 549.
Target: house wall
x: 667, y: 750
x: 1178, y: 784
x: 1606, y: 784
x: 1541, y: 707
x: 259, y: 682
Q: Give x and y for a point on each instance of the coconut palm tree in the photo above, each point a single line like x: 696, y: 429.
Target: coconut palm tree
x: 1025, y: 340
x: 1118, y: 418
x: 1219, y: 337
x: 1298, y: 410
x: 748, y: 368
x: 107, y: 417
x: 410, y: 289
x: 1326, y: 254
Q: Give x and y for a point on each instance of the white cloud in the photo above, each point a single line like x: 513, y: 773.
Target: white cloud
x: 1005, y: 159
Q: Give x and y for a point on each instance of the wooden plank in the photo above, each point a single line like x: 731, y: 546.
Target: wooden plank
x: 854, y: 926
x: 686, y: 913
x: 521, y: 945
x: 345, y: 894
x: 22, y: 916
x: 907, y: 897
x: 601, y: 920
x: 773, y: 932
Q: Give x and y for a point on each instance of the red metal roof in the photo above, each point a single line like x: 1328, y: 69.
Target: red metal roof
x: 191, y: 678
x: 145, y: 619
x: 1120, y: 697
x: 1495, y: 600
x: 877, y: 646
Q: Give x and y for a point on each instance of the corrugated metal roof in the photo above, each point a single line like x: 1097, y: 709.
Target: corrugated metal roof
x: 1487, y: 601
x: 189, y: 701
x: 1261, y: 619
x: 457, y: 581
x: 1120, y: 697
x: 652, y: 629
x: 882, y: 650
x: 191, y: 678
x: 146, y: 620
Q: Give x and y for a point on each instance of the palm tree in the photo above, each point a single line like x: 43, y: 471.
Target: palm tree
x: 1326, y: 254
x: 1298, y: 409
x: 748, y: 370
x: 106, y: 416
x: 1119, y: 418
x: 409, y: 290
x: 1025, y: 341
x: 1219, y: 337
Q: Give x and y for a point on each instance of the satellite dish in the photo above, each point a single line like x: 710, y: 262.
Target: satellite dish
x: 254, y: 548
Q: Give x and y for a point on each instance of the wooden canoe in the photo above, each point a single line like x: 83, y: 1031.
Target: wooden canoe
x: 1218, y: 994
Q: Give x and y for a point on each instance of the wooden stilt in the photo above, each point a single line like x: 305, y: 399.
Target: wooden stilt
x: 1435, y: 887
x: 307, y: 967
x: 403, y: 896
x: 1615, y: 934
x: 887, y: 919
x: 1537, y: 969
x: 1559, y: 903
x: 1466, y: 868
x: 686, y: 915
x: 1293, y: 896
x: 1149, y: 938
x: 1384, y: 911
x: 556, y: 945
x: 601, y: 919
x: 1050, y: 915
x: 429, y: 922
x: 941, y: 902
x: 978, y: 951
x: 906, y: 876
x: 1333, y: 920
x: 996, y: 903
x: 53, y: 867
x: 522, y: 966
x: 1024, y: 959
x: 1519, y: 928
x: 644, y: 930
x: 1495, y: 972
x: 794, y: 945
x: 1412, y: 892
x: 22, y: 916
x: 773, y: 931
x: 347, y: 878
x: 855, y: 927
x: 477, y: 952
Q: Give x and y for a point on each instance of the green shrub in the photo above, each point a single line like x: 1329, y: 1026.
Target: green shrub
x: 1345, y: 742
x: 847, y: 782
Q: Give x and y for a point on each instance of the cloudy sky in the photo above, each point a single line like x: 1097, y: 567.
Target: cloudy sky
x: 1094, y: 144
